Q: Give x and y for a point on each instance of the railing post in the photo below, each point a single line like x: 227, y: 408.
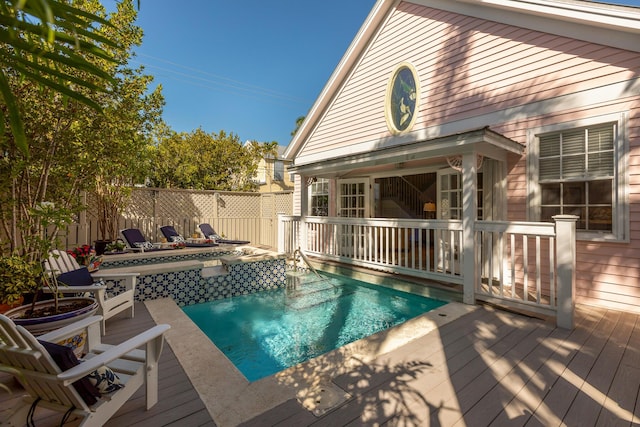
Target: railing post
x: 566, y: 266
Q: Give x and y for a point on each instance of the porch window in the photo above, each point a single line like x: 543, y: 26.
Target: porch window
x: 319, y: 194
x: 278, y: 170
x: 577, y: 176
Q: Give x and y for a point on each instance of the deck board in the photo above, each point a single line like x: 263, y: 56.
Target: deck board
x: 488, y: 367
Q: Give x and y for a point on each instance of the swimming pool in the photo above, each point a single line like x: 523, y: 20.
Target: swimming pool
x: 269, y: 331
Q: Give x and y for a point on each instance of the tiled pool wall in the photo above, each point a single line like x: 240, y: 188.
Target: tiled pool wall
x: 188, y: 286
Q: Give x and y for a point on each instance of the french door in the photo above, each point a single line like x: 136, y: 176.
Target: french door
x: 353, y: 202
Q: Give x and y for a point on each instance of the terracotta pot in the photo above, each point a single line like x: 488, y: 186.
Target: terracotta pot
x: 41, y: 325
x: 6, y: 307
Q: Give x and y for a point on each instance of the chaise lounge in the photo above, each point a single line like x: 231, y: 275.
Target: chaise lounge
x: 173, y: 236
x: 208, y: 232
x: 136, y: 241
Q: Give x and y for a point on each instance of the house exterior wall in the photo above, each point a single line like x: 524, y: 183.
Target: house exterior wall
x: 473, y: 73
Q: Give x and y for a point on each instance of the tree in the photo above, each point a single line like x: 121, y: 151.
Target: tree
x: 72, y: 147
x: 47, y: 53
x: 299, y: 122
x: 199, y: 160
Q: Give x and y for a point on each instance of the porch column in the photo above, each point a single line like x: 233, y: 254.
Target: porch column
x: 304, y: 212
x: 566, y: 266
x: 469, y: 215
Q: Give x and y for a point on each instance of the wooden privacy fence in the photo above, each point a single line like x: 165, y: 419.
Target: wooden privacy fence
x: 235, y: 215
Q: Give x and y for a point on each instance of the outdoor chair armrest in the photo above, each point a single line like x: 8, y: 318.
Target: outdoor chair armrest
x: 71, y: 329
x: 112, y: 354
x: 64, y: 289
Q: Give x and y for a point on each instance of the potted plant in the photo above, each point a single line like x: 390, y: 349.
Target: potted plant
x: 17, y: 278
x: 40, y: 316
x: 117, y: 246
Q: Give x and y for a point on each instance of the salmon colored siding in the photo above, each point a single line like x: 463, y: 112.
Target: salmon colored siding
x: 467, y: 66
x: 471, y: 68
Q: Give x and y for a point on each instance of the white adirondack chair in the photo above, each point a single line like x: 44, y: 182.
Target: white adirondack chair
x: 43, y: 380
x: 61, y: 262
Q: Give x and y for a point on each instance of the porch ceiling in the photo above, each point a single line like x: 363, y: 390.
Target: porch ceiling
x: 417, y: 154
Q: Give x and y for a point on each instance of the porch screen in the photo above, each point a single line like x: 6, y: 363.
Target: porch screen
x: 576, y: 173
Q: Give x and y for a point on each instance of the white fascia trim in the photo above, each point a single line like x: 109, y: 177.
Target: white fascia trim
x: 616, y: 26
x: 612, y: 92
x: 357, y: 47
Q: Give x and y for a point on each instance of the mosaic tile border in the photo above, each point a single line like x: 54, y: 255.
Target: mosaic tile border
x: 188, y: 287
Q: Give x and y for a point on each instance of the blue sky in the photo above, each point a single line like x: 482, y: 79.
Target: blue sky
x: 250, y: 67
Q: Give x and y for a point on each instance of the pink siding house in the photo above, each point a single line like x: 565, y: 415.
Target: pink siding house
x: 491, y: 145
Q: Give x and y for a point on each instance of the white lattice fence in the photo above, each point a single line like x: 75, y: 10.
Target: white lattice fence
x: 246, y: 216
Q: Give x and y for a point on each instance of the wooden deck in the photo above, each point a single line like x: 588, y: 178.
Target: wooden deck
x: 488, y: 367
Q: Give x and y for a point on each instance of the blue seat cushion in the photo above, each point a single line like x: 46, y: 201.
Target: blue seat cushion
x: 65, y: 359
x: 79, y: 277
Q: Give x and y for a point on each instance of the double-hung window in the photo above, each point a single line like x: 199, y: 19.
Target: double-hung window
x: 577, y: 175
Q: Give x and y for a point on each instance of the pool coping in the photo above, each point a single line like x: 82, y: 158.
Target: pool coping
x: 231, y: 399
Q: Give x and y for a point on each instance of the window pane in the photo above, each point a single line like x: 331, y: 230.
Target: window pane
x: 550, y: 194
x: 600, y: 218
x: 573, y: 166
x: 600, y: 192
x: 550, y: 145
x: 547, y: 212
x: 601, y: 164
x: 550, y: 168
x: 573, y: 193
x: 601, y: 138
x: 444, y: 183
x: 573, y: 142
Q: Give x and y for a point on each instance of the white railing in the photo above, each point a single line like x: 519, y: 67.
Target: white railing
x: 429, y: 249
x: 517, y: 263
x: 524, y: 265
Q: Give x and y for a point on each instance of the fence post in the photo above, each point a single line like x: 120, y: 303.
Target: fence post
x: 566, y: 266
x: 280, y: 232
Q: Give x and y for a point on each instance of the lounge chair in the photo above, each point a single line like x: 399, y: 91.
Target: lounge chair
x: 135, y: 240
x: 208, y: 232
x: 54, y: 379
x: 76, y: 279
x: 173, y: 236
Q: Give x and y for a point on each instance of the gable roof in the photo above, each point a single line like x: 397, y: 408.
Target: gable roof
x: 605, y: 24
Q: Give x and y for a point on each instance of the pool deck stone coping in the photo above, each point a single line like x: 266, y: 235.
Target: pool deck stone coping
x: 231, y: 399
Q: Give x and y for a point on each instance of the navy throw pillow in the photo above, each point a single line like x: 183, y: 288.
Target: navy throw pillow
x: 66, y: 359
x: 79, y: 277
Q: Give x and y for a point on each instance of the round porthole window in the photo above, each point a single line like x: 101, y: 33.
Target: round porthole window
x: 403, y: 92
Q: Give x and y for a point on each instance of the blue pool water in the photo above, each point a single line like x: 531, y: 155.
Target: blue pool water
x: 269, y: 331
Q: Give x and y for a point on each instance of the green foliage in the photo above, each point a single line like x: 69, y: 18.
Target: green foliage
x: 50, y: 43
x: 17, y: 277
x: 203, y: 161
x: 72, y: 148
x: 299, y: 122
